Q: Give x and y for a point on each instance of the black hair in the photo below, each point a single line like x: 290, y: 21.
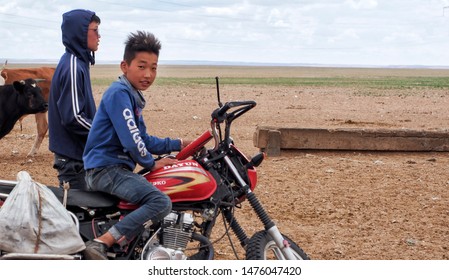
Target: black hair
x: 95, y: 18
x: 141, y: 41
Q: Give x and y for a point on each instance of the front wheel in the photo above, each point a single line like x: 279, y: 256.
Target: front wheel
x: 262, y: 247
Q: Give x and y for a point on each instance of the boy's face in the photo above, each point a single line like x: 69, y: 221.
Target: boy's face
x: 93, y: 36
x: 142, y: 70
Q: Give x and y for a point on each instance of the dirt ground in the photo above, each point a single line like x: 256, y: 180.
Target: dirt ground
x: 334, y: 205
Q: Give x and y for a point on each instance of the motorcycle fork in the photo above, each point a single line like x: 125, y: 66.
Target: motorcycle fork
x: 236, y: 228
x: 269, y: 225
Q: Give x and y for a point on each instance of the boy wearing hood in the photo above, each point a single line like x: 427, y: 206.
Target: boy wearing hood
x: 71, y: 103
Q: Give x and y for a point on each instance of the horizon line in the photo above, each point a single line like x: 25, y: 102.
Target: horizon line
x: 233, y: 63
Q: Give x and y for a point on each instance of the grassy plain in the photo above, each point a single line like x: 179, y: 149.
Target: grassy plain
x: 374, y: 78
x: 379, y: 78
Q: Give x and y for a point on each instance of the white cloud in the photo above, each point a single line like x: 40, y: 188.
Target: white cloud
x: 362, y: 4
x: 277, y: 18
x: 344, y: 36
x: 290, y: 31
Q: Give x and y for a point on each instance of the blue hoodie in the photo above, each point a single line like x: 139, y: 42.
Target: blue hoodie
x: 71, y: 105
x: 119, y: 135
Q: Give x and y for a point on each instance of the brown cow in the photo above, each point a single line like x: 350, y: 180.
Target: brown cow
x: 45, y: 73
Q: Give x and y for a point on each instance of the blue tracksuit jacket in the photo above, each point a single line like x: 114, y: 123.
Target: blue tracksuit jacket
x: 118, y: 134
x: 71, y: 105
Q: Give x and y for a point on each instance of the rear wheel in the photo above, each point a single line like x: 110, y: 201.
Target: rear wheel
x: 262, y: 247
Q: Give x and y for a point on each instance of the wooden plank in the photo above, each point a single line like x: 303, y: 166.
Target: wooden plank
x: 274, y: 143
x: 353, y: 139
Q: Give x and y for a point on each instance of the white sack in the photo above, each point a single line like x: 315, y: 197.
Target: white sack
x: 32, y: 220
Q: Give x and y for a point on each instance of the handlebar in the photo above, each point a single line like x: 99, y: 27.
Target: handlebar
x: 195, y: 145
x: 220, y: 113
x: 218, y: 116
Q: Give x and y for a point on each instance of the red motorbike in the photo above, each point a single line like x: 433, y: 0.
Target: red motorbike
x: 206, y: 183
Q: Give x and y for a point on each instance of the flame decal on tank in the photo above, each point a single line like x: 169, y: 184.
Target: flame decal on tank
x: 183, y: 177
x: 184, y: 181
x: 187, y: 180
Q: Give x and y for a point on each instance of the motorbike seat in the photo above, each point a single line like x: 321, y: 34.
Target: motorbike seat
x: 75, y: 197
x: 83, y: 198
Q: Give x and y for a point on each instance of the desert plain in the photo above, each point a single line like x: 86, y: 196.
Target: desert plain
x: 334, y: 204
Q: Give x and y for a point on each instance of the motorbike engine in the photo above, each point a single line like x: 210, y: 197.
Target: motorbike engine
x: 170, y: 241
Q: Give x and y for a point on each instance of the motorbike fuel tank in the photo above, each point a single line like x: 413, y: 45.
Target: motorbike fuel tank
x: 185, y: 181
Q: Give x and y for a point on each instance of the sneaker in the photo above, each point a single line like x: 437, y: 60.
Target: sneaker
x: 95, y: 250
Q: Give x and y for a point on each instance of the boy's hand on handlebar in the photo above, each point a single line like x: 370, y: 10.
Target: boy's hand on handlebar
x: 163, y: 162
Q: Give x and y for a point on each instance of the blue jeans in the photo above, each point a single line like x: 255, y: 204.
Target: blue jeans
x: 119, y: 181
x: 70, y: 171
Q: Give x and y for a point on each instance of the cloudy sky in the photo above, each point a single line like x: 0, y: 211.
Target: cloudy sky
x: 345, y: 32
